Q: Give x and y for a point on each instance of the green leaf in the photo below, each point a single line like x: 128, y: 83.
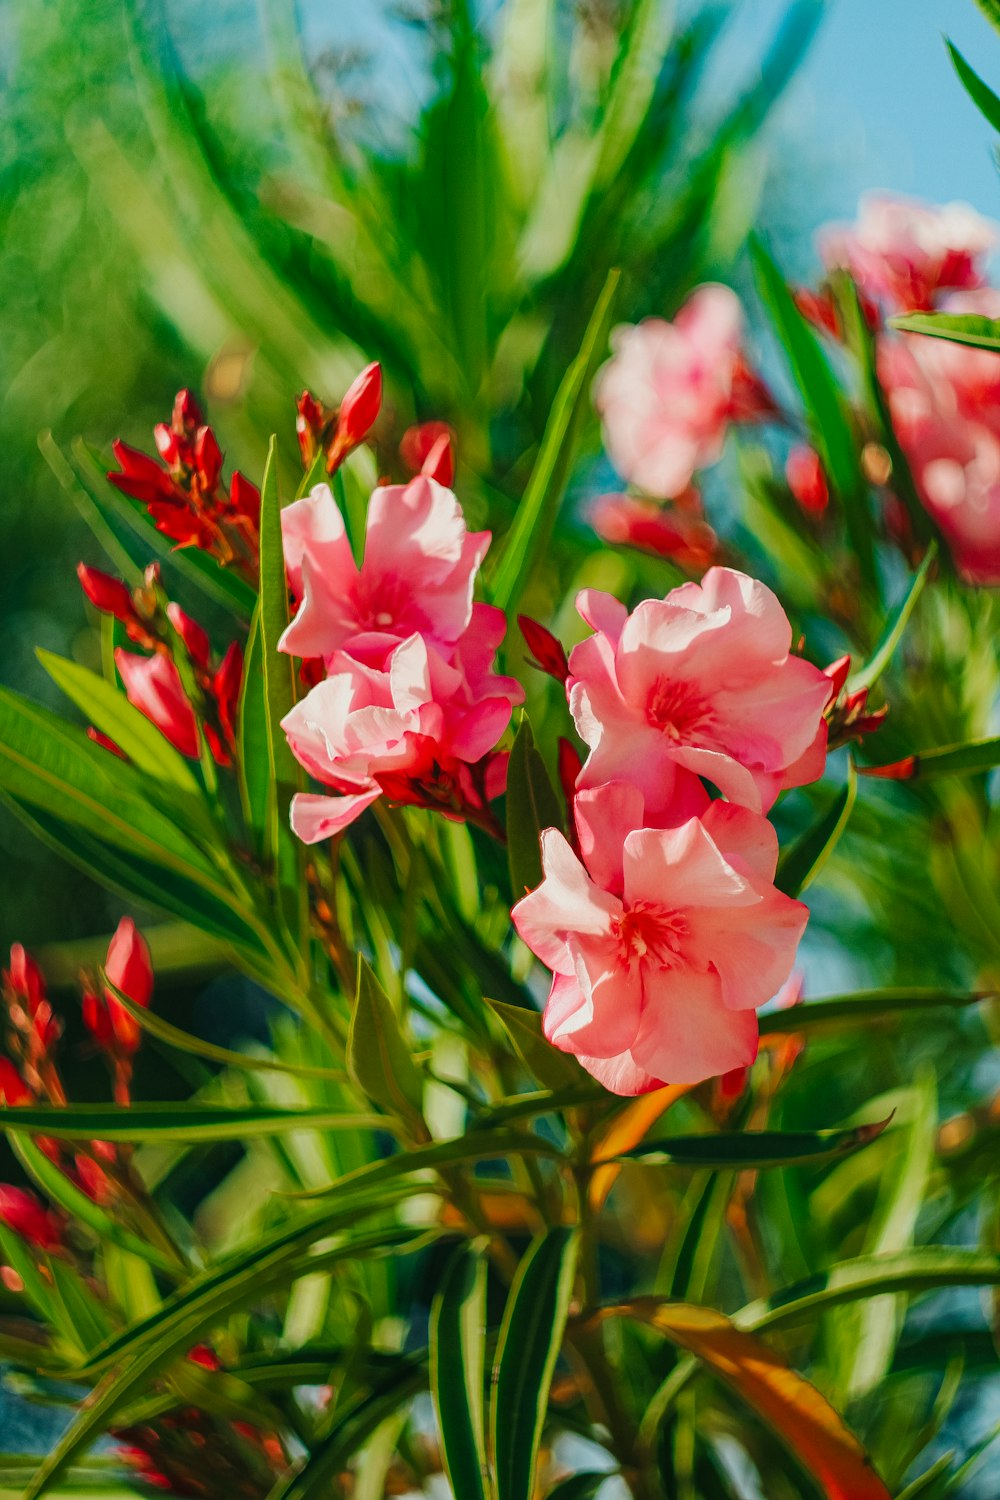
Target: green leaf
x: 227, y: 1057
x: 457, y: 1361
x: 83, y: 1209
x: 754, y: 1148
x: 528, y: 537
x: 109, y: 710
x: 532, y: 805
x: 159, y: 1340
x: 895, y: 626
x: 379, y: 1058
x: 800, y: 864
x: 960, y: 328
x: 281, y: 849
x: 556, y: 1070
x: 257, y: 789
x: 580, y: 1486
x: 530, y: 1339
x: 183, y: 1121
x: 826, y: 409
x: 866, y: 1007
x: 979, y: 92
x: 991, y: 10
x: 970, y: 759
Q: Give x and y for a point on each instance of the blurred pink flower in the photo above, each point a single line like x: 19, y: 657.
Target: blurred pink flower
x: 669, y: 392
x: 661, y: 953
x: 699, y: 684
x: 903, y: 252
x: 680, y: 534
x: 410, y: 730
x: 419, y: 566
x: 949, y: 431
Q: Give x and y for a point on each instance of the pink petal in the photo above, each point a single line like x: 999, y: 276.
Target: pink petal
x: 687, y: 1034
x: 315, y: 817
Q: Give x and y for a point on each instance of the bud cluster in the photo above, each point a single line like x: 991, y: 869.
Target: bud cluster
x: 184, y: 490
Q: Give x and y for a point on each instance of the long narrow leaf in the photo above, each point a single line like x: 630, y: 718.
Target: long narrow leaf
x: 457, y: 1362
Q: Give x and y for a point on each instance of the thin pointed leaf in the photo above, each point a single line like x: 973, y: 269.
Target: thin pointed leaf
x: 755, y: 1149
x: 183, y: 1121
x: 830, y: 428
x: 378, y: 1057
x: 800, y: 864
x: 979, y: 92
x: 457, y: 1363
x: 867, y: 1007
x: 532, y: 805
x: 530, y: 1339
x: 528, y: 537
x: 970, y: 759
x: 895, y: 626
x: 960, y: 328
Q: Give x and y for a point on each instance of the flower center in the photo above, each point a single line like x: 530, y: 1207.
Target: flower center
x: 650, y: 934
x: 677, y: 709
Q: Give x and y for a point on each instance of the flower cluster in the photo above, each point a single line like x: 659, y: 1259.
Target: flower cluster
x: 942, y: 397
x: 406, y: 701
x: 29, y: 1073
x: 659, y: 919
x: 153, y: 683
x: 184, y: 491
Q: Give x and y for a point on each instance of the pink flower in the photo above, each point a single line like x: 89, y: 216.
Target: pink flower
x: 699, y: 684
x: 903, y: 252
x: 663, y: 950
x: 414, y: 730
x: 153, y: 686
x: 418, y: 571
x: 680, y: 533
x: 670, y: 391
x: 951, y: 444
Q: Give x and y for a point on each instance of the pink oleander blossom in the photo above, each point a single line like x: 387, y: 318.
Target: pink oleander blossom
x: 417, y: 575
x: 952, y: 443
x: 661, y: 951
x: 699, y: 684
x: 903, y: 253
x: 421, y: 730
x: 153, y: 686
x: 668, y: 394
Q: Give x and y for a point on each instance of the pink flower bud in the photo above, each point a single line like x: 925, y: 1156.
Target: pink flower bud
x: 22, y: 1212
x: 440, y: 462
x: 129, y: 968
x: 309, y: 423
x: 548, y: 653
x: 105, y: 742
x: 806, y: 479
x: 153, y: 686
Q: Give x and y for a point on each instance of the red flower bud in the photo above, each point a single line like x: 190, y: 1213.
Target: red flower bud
x: 105, y: 742
x: 22, y: 1212
x: 226, y: 687
x: 418, y: 442
x: 186, y: 417
x: 547, y: 653
x: 440, y: 462
x: 358, y: 410
x: 309, y: 423
x: 806, y: 479
x: 244, y: 498
x: 25, y: 977
x: 166, y: 444
x: 105, y: 593
x: 837, y: 672
x: 207, y: 458
x: 128, y: 967
x: 13, y: 1089
x: 820, y: 310
x: 195, y: 639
